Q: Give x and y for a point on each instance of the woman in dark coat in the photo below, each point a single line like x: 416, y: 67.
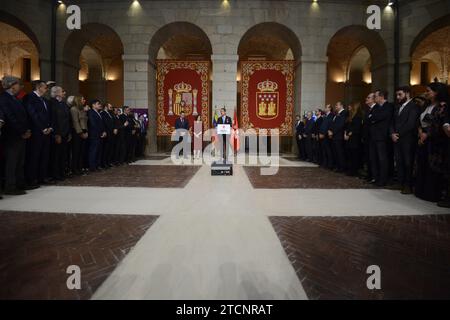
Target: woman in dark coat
x: 353, y: 131
x: 432, y: 155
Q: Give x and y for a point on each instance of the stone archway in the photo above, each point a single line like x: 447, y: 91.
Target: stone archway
x: 179, y: 40
x: 19, y: 50
x: 93, y: 63
x: 357, y: 63
x: 272, y: 41
x: 430, y: 55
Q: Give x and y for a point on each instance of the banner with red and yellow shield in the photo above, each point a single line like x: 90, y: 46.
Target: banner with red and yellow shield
x: 182, y: 86
x: 267, y: 100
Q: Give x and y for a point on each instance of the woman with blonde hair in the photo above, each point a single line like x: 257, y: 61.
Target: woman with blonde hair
x: 352, y: 138
x: 79, y: 133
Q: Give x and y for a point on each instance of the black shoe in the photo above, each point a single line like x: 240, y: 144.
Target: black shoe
x: 444, y: 203
x: 406, y: 190
x: 395, y: 187
x: 48, y: 182
x: 32, y: 187
x: 15, y: 192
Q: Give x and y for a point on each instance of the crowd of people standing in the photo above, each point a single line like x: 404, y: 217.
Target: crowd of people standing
x: 46, y: 137
x: 403, y: 145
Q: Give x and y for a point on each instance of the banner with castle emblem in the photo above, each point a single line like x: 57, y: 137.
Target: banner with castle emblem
x: 267, y: 100
x: 182, y: 86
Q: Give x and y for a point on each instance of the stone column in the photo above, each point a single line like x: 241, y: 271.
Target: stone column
x: 383, y: 78
x: 138, y: 90
x: 97, y: 89
x: 45, y: 68
x: 297, y: 102
x: 68, y: 76
x: 310, y: 86
x: 405, y: 72
x: 224, y: 85
x: 313, y: 83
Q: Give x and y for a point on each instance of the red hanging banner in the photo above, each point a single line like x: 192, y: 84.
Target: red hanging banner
x: 267, y: 95
x: 182, y: 86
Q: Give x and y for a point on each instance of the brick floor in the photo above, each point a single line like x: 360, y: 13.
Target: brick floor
x: 304, y: 178
x: 331, y: 255
x: 137, y: 176
x: 37, y: 248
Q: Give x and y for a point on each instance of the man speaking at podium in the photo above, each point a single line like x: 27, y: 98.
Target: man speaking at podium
x: 224, y: 119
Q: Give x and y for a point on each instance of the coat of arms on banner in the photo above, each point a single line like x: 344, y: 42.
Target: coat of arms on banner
x: 182, y: 98
x: 267, y: 100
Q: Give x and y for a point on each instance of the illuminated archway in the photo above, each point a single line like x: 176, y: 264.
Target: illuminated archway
x: 93, y: 63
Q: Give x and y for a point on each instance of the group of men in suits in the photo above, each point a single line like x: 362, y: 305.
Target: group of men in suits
x: 37, y: 132
x: 115, y: 136
x: 386, y: 135
x: 321, y: 139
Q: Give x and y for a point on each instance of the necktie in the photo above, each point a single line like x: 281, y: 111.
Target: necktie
x: 43, y: 101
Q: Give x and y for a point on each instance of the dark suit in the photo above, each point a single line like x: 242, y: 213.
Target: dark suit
x: 38, y: 147
x: 317, y: 154
x: 405, y: 124
x: 337, y: 127
x: 95, y: 128
x: 379, y: 123
x: 133, y: 139
x: 226, y: 120
x: 16, y: 124
x: 365, y: 139
x: 128, y: 135
x: 181, y: 125
x: 309, y: 131
x: 325, y: 143
x: 109, y: 141
x: 353, y: 144
x: 119, y: 147
x: 61, y: 124
x: 390, y: 145
x: 299, y: 130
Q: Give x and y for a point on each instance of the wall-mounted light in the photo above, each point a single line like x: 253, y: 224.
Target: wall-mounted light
x: 225, y: 4
x: 392, y: 3
x: 315, y: 6
x: 135, y: 7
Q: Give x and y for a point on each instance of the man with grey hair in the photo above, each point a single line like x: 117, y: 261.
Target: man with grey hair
x: 15, y: 133
x: 61, y: 124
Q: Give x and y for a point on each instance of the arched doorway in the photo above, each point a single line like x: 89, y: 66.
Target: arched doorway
x: 356, y: 56
x: 271, y: 41
x: 19, y: 50
x: 93, y: 64
x: 430, y: 55
x: 182, y: 41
